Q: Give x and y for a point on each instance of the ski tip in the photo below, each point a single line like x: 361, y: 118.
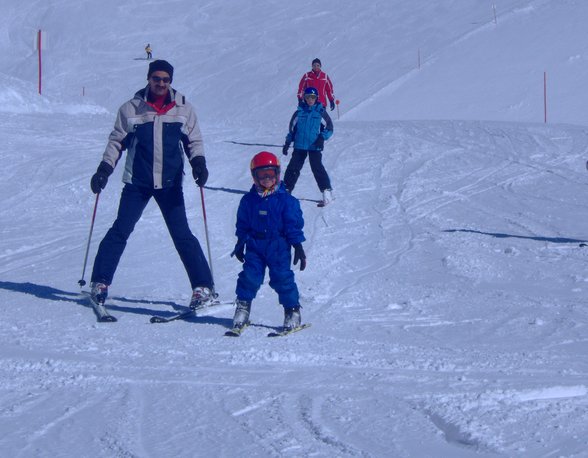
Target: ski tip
x: 290, y: 331
x: 236, y: 332
x: 157, y: 319
x: 178, y: 316
x: 107, y: 319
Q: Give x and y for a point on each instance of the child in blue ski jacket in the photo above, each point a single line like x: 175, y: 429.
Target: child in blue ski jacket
x: 269, y: 223
x: 309, y: 127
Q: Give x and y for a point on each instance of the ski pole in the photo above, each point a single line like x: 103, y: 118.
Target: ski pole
x: 82, y: 282
x: 206, y: 232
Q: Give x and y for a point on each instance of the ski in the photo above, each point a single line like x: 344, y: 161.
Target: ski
x: 177, y: 316
x: 187, y: 313
x: 237, y: 331
x: 288, y: 331
x: 102, y: 315
x: 316, y: 201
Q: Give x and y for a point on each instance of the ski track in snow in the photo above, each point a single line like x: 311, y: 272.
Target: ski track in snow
x: 445, y: 285
x: 308, y: 394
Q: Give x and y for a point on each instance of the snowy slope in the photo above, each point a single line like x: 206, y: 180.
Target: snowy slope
x: 497, y: 70
x: 445, y: 285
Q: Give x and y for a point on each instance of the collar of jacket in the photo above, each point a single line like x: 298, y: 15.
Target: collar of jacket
x: 279, y: 189
x: 316, y: 107
x: 163, y: 109
x: 173, y: 95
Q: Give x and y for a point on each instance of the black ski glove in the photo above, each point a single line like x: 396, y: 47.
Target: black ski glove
x: 239, y: 251
x: 319, y: 143
x: 199, y: 170
x: 100, y: 178
x: 285, y: 149
x: 299, y: 256
x: 332, y: 105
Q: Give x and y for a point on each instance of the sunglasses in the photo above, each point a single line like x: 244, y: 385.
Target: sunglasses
x: 266, y: 175
x: 310, y: 96
x: 159, y: 79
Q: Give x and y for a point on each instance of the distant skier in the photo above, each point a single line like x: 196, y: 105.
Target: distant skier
x: 269, y: 224
x: 319, y: 80
x: 156, y: 127
x: 310, y: 126
x: 148, y: 51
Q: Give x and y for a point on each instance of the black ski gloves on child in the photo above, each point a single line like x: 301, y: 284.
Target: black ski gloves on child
x: 100, y: 178
x: 239, y: 251
x: 299, y: 255
x: 199, y: 170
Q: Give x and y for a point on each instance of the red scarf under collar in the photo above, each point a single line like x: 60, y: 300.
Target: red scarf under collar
x: 159, y: 105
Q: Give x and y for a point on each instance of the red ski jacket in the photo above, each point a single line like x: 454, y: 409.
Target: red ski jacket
x: 321, y: 82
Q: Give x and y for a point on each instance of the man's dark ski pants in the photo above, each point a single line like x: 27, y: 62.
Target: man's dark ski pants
x: 133, y: 201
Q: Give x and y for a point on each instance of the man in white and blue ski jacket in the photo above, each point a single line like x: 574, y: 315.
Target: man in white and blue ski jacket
x: 157, y: 127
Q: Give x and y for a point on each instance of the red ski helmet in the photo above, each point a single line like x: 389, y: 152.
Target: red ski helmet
x: 264, y: 161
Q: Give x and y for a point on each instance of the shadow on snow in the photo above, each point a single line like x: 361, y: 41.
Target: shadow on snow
x: 229, y: 190
x: 500, y: 235
x: 53, y: 294
x: 238, y: 191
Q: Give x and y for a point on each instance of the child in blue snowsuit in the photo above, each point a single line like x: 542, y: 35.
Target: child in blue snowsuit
x: 269, y: 224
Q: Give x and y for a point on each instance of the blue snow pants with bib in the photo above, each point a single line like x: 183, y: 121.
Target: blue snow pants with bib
x: 268, y: 227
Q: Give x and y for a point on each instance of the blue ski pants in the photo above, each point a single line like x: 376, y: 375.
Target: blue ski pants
x: 275, y: 255
x: 133, y: 201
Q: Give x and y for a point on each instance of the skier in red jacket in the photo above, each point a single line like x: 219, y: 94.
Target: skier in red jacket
x: 320, y: 80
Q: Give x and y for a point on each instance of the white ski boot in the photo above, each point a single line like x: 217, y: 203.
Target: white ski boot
x: 202, y: 297
x: 98, y: 292
x: 327, y: 197
x: 242, y: 311
x: 292, y: 318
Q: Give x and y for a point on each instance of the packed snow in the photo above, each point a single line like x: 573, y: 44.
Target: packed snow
x: 445, y: 285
